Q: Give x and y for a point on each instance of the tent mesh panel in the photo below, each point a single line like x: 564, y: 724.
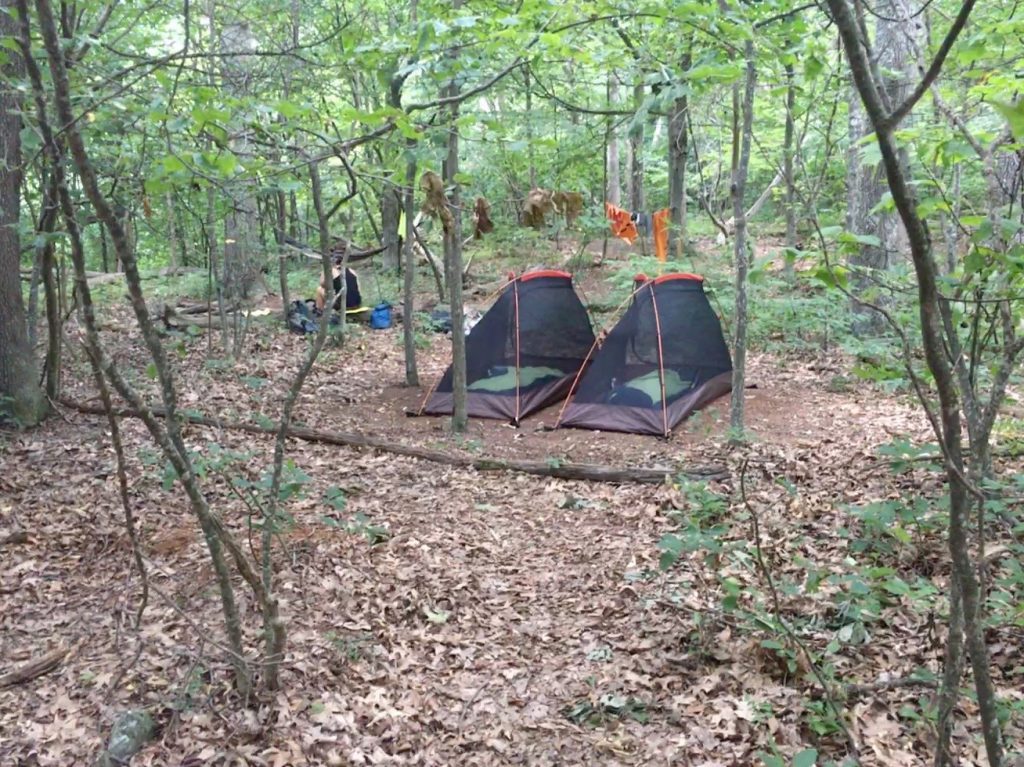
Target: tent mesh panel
x: 692, y: 347
x: 554, y: 331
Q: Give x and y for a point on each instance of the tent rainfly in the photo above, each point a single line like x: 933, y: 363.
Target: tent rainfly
x: 663, y: 360
x: 524, y: 353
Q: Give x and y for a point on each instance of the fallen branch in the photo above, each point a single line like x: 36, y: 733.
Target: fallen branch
x: 44, y: 664
x: 854, y: 691
x: 552, y: 468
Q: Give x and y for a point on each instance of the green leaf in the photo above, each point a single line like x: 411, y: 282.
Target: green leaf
x: 836, y: 277
x: 151, y: 371
x: 287, y: 109
x: 1013, y: 114
x: 974, y: 261
x: 806, y: 758
x: 851, y: 238
x: 723, y: 73
x: 812, y: 67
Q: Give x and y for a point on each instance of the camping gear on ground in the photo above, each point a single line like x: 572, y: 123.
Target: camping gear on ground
x: 440, y: 320
x: 524, y: 352
x: 380, y: 317
x: 300, y: 318
x: 664, y: 359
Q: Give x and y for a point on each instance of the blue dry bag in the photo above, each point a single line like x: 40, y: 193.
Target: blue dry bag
x: 380, y: 317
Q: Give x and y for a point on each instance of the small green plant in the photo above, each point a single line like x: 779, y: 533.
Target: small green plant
x: 595, y: 713
x: 351, y: 648
x: 360, y: 524
x: 189, y: 694
x: 821, y: 719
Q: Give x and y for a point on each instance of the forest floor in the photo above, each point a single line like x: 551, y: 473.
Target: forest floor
x: 446, y: 616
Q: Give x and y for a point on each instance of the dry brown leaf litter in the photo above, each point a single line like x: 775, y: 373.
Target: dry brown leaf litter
x: 497, y: 604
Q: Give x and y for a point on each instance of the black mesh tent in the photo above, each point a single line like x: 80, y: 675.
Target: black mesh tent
x: 664, y: 359
x: 524, y: 353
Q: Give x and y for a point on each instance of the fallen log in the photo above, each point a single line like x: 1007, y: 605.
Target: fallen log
x: 551, y: 468
x: 44, y: 664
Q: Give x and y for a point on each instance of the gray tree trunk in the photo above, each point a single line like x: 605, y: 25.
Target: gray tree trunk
x: 678, y: 150
x: 947, y: 411
x: 741, y: 254
x: 390, y: 213
x: 865, y: 184
x: 453, y: 260
x: 20, y: 397
x: 613, y: 191
x: 636, y: 155
x: 530, y: 151
x: 412, y: 377
x: 787, y: 169
x: 241, y: 269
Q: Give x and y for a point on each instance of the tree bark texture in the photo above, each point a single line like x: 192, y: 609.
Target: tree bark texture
x: 880, y: 110
x: 787, y: 168
x: 678, y: 149
x: 636, y: 154
x: 453, y: 258
x: 412, y: 377
x: 390, y: 214
x: 865, y: 183
x: 241, y: 269
x: 740, y: 251
x: 20, y: 396
x: 613, y: 186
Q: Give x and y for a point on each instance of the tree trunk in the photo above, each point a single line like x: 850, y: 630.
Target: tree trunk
x: 390, y: 212
x: 241, y: 269
x: 948, y: 422
x: 741, y: 257
x: 677, y: 155
x: 613, y: 188
x: 636, y: 155
x: 169, y: 438
x: 51, y: 292
x: 409, y: 274
x: 47, y: 222
x: 453, y: 261
x: 20, y: 397
x: 531, y: 153
x: 787, y: 170
x: 172, y: 231
x: 865, y: 185
x: 282, y: 266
